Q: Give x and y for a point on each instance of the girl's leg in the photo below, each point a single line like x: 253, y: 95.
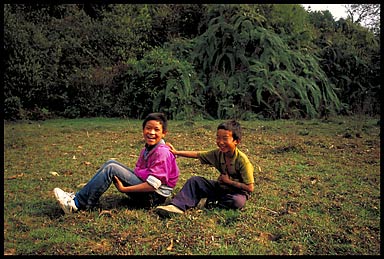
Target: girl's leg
x: 89, y: 195
x: 194, y: 189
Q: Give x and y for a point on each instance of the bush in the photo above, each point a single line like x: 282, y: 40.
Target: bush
x: 12, y: 108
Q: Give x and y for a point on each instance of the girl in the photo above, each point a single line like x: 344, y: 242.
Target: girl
x: 155, y: 175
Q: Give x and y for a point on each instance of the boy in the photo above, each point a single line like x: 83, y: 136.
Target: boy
x: 234, y: 185
x: 155, y: 175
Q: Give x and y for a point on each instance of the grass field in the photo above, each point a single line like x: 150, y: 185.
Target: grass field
x: 317, y: 190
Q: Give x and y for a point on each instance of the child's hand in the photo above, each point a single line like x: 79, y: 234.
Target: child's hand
x: 224, y: 178
x: 171, y: 148
x: 118, y: 184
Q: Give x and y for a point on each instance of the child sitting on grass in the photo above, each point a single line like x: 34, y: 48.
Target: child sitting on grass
x: 234, y: 184
x: 155, y: 175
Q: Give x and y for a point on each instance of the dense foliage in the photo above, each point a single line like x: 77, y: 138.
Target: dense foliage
x: 189, y: 61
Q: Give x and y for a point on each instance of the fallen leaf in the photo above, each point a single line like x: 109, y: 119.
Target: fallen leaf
x: 106, y: 212
x: 265, y: 236
x: 15, y: 176
x: 169, y: 248
x: 54, y: 173
x: 313, y: 180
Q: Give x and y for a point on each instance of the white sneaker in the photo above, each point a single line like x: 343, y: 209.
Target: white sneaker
x: 201, y: 203
x: 66, y: 200
x: 168, y: 210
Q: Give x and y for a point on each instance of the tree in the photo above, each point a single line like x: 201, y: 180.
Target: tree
x: 249, y: 68
x: 367, y: 15
x: 350, y: 56
x: 217, y: 61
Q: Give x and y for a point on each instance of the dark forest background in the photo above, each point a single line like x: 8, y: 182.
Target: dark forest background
x: 190, y: 61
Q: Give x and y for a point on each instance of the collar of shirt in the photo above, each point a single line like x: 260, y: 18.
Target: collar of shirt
x: 149, y: 148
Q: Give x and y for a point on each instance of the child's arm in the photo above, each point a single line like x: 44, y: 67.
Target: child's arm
x: 224, y: 178
x: 142, y: 187
x: 191, y: 154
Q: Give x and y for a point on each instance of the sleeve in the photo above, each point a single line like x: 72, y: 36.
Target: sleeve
x: 154, y: 182
x: 208, y: 157
x: 212, y: 158
x: 246, y: 170
x: 247, y: 173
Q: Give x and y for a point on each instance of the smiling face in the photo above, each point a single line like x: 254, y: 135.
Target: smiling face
x: 225, y: 141
x: 153, y: 132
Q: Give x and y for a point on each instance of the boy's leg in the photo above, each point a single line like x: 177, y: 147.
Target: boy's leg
x: 193, y: 190
x: 89, y: 195
x: 232, y: 201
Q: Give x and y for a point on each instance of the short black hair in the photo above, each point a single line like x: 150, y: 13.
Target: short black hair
x: 234, y: 126
x: 157, y: 116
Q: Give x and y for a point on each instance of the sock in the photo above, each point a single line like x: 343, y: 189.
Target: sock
x: 76, y: 202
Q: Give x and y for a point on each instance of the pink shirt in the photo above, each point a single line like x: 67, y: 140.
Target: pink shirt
x: 160, y: 163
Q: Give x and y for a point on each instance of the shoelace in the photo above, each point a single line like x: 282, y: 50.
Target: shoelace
x: 69, y: 201
x: 71, y: 194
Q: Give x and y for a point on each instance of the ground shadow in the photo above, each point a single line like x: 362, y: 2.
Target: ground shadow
x: 52, y: 209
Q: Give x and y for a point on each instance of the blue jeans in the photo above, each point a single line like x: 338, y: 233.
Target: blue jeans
x: 89, y: 195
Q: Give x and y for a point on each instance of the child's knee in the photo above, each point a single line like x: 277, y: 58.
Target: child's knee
x: 238, y: 202
x: 194, y: 179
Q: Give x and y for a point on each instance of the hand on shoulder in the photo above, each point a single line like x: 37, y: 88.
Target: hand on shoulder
x: 171, y: 147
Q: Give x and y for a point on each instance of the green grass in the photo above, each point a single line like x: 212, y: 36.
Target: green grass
x: 317, y: 190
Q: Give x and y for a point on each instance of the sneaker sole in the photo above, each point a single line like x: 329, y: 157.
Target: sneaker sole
x: 66, y: 211
x: 166, y: 213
